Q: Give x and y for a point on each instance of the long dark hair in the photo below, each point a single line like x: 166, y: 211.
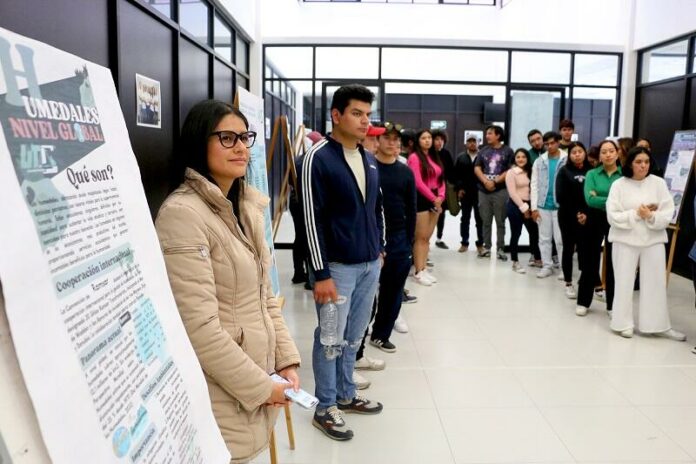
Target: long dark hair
x: 427, y: 171
x: 201, y: 120
x: 527, y: 167
x: 586, y: 166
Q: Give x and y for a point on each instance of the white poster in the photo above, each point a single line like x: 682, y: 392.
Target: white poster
x: 107, y: 363
x: 252, y: 107
x: 679, y: 166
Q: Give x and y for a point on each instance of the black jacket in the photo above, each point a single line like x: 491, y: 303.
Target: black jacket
x: 463, y: 176
x: 569, y: 190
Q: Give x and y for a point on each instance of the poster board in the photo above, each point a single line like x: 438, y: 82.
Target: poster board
x: 107, y: 364
x: 252, y: 107
x: 679, y: 167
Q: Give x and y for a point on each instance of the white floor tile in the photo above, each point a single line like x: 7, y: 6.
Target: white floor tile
x: 569, y: 387
x: 612, y: 433
x: 653, y: 386
x: 471, y: 388
x: 497, y: 368
x: 678, y: 422
x: 501, y: 436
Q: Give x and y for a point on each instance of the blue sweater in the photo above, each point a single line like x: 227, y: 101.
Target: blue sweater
x: 341, y: 226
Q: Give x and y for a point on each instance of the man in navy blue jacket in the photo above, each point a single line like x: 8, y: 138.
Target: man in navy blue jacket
x: 345, y: 237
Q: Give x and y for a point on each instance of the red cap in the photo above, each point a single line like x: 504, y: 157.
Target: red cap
x: 373, y: 131
x: 314, y: 136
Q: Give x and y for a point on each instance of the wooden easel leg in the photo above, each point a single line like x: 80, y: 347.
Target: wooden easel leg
x: 272, y: 448
x: 288, y: 424
x: 672, y: 248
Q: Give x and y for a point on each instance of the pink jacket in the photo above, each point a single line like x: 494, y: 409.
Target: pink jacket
x: 517, y: 183
x: 426, y: 186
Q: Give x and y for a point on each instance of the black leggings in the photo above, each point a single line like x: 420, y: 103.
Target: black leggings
x: 598, y: 230
x: 573, y: 235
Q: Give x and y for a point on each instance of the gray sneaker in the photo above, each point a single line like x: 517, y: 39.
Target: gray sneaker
x: 331, y: 423
x: 502, y: 256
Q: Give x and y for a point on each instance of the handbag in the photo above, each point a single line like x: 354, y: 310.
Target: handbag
x: 453, y: 205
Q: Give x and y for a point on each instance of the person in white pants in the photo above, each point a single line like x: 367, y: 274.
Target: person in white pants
x: 639, y: 209
x: 543, y: 200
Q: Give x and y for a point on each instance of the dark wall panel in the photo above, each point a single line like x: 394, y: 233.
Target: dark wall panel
x: 79, y: 27
x: 223, y: 82
x: 193, y: 76
x: 661, y: 109
x: 153, y: 147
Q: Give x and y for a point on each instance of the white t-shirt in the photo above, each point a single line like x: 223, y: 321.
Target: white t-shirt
x: 354, y: 159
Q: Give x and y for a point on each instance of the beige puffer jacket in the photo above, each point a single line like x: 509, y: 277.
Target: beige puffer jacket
x: 221, y: 284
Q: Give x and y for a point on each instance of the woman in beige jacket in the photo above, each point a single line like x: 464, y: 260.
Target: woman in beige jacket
x: 211, y: 230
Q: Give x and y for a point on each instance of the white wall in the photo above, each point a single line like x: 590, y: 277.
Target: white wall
x: 660, y: 20
x: 570, y: 24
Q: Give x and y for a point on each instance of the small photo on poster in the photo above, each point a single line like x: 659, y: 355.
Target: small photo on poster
x: 147, y: 92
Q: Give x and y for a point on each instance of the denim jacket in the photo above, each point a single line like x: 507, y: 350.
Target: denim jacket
x: 540, y: 179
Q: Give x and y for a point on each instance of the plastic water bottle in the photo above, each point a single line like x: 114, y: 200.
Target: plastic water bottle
x: 328, y: 322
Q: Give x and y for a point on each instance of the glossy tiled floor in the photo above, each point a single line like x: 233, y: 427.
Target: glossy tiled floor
x: 498, y: 369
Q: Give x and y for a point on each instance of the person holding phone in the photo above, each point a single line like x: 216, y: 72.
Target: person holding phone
x: 639, y: 209
x: 211, y: 231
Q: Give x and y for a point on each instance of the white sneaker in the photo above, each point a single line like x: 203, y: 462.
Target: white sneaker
x: 628, y: 333
x: 673, y: 335
x: 430, y: 275
x: 570, y: 292
x: 400, y: 325
x: 361, y: 383
x: 370, y: 364
x: 599, y: 294
x: 422, y: 278
x: 544, y: 273
x: 518, y: 268
x: 412, y: 271
x: 580, y: 310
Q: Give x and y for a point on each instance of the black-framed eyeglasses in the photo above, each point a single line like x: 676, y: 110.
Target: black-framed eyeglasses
x: 228, y: 139
x: 391, y: 126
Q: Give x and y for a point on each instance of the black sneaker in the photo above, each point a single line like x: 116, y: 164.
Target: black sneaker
x: 360, y: 405
x: 384, y: 345
x: 441, y: 244
x: 408, y: 299
x: 332, y: 424
x: 429, y: 263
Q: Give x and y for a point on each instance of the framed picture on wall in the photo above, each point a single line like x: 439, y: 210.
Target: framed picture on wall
x: 149, y: 101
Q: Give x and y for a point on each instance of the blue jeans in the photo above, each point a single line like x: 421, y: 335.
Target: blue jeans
x: 334, y: 377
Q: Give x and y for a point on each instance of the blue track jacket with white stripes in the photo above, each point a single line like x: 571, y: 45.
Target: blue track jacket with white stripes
x: 341, y: 226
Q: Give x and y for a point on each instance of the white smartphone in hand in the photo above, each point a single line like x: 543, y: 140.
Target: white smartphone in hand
x: 300, y: 397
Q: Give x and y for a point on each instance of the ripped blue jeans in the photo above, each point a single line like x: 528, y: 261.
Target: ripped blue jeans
x: 334, y: 377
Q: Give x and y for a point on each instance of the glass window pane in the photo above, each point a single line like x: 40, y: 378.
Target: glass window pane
x: 444, y: 64
x: 242, y: 81
x: 193, y: 16
x: 347, y: 62
x: 596, y: 69
x: 594, y: 111
x: 222, y: 41
x: 664, y: 62
x: 163, y: 6
x: 693, y: 59
x: 242, y: 49
x: 291, y: 62
x: 541, y: 68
